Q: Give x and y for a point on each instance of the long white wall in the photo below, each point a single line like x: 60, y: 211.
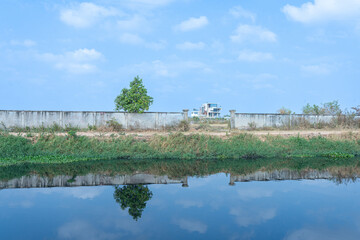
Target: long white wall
x: 257, y: 120
x: 148, y: 120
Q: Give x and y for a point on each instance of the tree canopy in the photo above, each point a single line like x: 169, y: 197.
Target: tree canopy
x: 133, y: 197
x: 331, y: 108
x: 135, y: 99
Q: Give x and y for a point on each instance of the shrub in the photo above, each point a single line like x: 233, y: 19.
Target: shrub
x: 92, y: 127
x: 357, y: 110
x: 204, y: 125
x: 114, y: 125
x: 69, y: 127
x: 195, y: 119
x: 284, y: 110
x: 252, y: 125
x: 55, y: 127
x: 72, y: 133
x: 183, y: 126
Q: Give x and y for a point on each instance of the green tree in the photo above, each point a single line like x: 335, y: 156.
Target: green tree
x: 135, y: 99
x: 133, y: 197
x: 331, y: 108
x: 312, y: 109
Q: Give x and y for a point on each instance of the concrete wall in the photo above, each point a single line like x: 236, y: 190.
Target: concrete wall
x: 257, y: 120
x: 148, y: 120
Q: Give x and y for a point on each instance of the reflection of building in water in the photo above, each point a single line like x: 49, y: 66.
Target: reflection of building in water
x: 35, y: 181
x: 284, y: 175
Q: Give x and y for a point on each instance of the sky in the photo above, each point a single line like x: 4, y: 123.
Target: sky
x: 253, y: 56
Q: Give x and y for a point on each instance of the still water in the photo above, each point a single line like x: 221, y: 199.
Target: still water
x: 217, y: 206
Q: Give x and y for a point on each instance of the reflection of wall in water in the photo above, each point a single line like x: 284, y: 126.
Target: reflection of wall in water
x: 35, y: 181
x: 283, y: 175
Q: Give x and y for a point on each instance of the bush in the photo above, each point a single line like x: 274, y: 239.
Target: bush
x: 357, y: 110
x: 204, y: 125
x: 92, y: 127
x: 284, y: 110
x: 183, y: 126
x: 195, y: 119
x: 252, y: 125
x: 72, y: 133
x: 114, y: 125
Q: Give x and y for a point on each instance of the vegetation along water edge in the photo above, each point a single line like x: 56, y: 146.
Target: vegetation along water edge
x: 49, y: 148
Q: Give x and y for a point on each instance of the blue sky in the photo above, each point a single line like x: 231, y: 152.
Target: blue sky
x: 252, y: 56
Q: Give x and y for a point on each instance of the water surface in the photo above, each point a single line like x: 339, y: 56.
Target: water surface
x: 218, y: 206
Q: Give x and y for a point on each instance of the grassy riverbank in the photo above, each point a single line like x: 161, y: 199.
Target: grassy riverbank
x: 49, y: 148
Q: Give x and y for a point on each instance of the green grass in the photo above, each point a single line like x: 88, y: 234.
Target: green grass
x: 71, y: 148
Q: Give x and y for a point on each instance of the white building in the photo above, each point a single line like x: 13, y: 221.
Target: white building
x: 195, y: 113
x: 207, y: 110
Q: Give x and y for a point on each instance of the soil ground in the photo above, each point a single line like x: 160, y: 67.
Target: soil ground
x: 221, y: 130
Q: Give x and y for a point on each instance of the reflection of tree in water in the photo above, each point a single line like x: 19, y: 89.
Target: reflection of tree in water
x: 133, y: 197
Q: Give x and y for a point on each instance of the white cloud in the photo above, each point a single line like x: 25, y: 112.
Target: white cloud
x: 192, y: 24
x: 316, y: 69
x: 135, y: 23
x: 24, y: 43
x: 246, y: 217
x: 217, y: 47
x: 130, y: 38
x: 134, y: 39
x: 156, y: 45
x: 323, y: 10
x: 260, y: 81
x: 148, y: 3
x: 239, y: 12
x: 84, y: 55
x: 323, y: 234
x: 246, y: 32
x: 264, y: 80
x: 251, y: 56
x: 76, y: 192
x: 85, y: 14
x: 22, y: 204
x: 81, y: 230
x: 253, y: 193
x: 190, y: 46
x: 172, y: 68
x: 321, y: 36
x: 189, y: 203
x: 78, y: 61
x: 191, y: 225
x: 84, y: 193
x: 161, y: 69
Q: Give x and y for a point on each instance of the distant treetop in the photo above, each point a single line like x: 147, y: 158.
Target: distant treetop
x: 331, y: 108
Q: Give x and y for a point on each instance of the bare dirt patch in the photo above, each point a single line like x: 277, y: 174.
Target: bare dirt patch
x: 333, y: 134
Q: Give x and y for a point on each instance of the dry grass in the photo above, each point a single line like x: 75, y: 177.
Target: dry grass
x: 147, y: 135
